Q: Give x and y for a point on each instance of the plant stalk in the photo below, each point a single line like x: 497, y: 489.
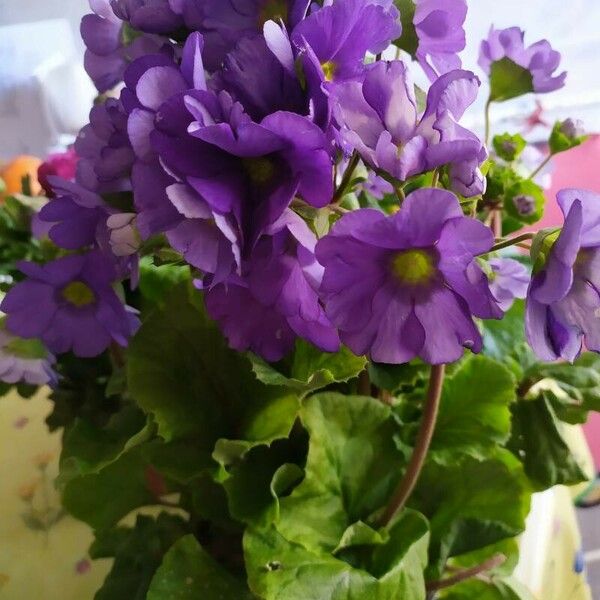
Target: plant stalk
x: 346, y: 178
x: 513, y: 241
x: 424, y: 437
x: 541, y: 166
x: 492, y: 563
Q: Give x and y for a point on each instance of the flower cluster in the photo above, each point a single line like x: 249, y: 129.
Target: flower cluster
x: 240, y: 126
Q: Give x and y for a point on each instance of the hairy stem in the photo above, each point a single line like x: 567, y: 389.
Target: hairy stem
x: 346, y: 178
x: 364, y: 384
x: 541, y: 166
x: 488, y: 106
x: 492, y: 563
x: 515, y: 241
x: 424, y: 437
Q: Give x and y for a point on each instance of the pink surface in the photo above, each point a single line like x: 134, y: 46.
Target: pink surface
x: 578, y: 168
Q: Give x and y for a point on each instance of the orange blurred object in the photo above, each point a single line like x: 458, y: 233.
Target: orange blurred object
x: 13, y: 173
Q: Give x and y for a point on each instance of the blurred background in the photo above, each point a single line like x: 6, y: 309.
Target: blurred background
x: 45, y: 97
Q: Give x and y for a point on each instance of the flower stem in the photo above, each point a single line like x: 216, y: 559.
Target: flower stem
x: 488, y: 106
x: 424, y: 437
x: 346, y: 178
x: 492, y: 563
x: 364, y: 384
x: 541, y: 166
x: 513, y: 241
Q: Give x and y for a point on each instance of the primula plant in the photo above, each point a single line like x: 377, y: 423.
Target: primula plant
x: 285, y: 301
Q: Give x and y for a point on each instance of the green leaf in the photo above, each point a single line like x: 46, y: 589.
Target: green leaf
x: 352, y: 467
x: 156, y: 282
x: 181, y: 371
x: 509, y: 147
x: 562, y: 140
x: 409, y: 40
x: 279, y: 569
x: 538, y: 443
x: 394, y: 377
x: 471, y: 504
x: 496, y: 589
x: 474, y: 412
x: 509, y: 80
x: 138, y: 552
x: 311, y: 369
x: 188, y: 572
x: 525, y: 201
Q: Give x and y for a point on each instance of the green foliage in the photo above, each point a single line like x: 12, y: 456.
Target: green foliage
x: 496, y: 589
x: 509, y: 80
x: 474, y: 413
x: 188, y: 572
x: 537, y: 441
x: 309, y: 369
x: 137, y: 553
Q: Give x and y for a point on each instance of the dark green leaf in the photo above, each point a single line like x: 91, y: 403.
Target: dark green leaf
x: 188, y: 572
x: 408, y: 41
x: 509, y: 80
x: 496, y: 589
x: 394, y: 377
x: 138, y: 552
x: 538, y: 443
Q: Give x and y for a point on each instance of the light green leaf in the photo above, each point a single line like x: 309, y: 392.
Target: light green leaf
x: 509, y: 80
x: 311, y: 369
x: 525, y: 201
x: 279, y: 569
x: 474, y: 412
x: 188, y: 572
x: 537, y: 441
x: 352, y: 467
x: 562, y: 141
x: 471, y: 504
x: 509, y: 147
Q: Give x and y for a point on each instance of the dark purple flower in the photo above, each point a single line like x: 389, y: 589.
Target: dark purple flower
x: 509, y: 280
x: 61, y: 164
x: 248, y: 170
x: 275, y: 300
x: 378, y: 117
x: 225, y: 22
x: 440, y: 29
x: 78, y: 216
x: 149, y: 16
x: 70, y: 304
x: 539, y: 58
x: 207, y: 240
x: 254, y: 77
x: 105, y: 152
x: 563, y: 302
x: 108, y: 49
x: 408, y: 285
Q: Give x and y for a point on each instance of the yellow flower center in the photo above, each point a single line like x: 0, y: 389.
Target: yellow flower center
x: 273, y: 10
x: 78, y: 294
x: 329, y: 69
x: 413, y: 266
x: 259, y: 170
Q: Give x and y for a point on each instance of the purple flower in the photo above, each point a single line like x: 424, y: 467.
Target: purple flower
x: 78, y: 216
x: 563, y: 301
x: 539, y: 58
x: 378, y: 117
x: 275, y: 300
x: 225, y: 22
x: 105, y: 152
x: 70, y: 304
x: 125, y: 239
x: 25, y: 360
x: 408, y: 285
x: 440, y: 28
x: 248, y: 170
x: 108, y: 51
x: 207, y: 240
x: 509, y: 280
x: 150, y: 16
